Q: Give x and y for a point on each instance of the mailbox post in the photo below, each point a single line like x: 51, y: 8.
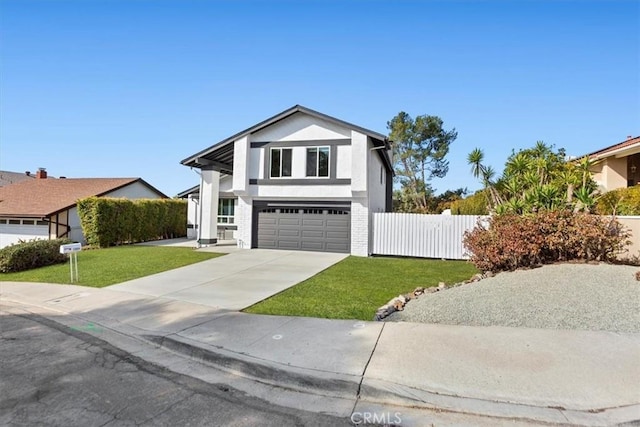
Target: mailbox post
x: 72, y: 250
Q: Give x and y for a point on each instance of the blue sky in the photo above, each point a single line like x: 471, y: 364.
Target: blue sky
x: 130, y: 88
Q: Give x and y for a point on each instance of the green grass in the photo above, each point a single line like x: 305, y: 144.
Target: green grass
x: 356, y: 287
x: 103, y: 267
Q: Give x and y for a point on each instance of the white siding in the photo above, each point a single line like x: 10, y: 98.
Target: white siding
x: 75, y: 233
x: 301, y: 127
x: 136, y: 190
x: 424, y: 236
x: 376, y: 186
x: 255, y: 163
x: 193, y: 211
x: 330, y: 192
x: 359, y: 162
x: 13, y: 233
x: 241, y: 165
x: 226, y: 184
x: 343, y: 162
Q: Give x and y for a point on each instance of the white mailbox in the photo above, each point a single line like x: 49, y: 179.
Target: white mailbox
x: 71, y: 247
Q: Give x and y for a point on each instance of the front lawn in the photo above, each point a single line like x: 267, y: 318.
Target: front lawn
x: 103, y: 267
x: 356, y: 287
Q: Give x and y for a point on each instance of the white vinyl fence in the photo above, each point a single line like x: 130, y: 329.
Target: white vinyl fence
x: 424, y: 236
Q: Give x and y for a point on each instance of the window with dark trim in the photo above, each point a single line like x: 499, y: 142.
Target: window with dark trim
x: 280, y: 162
x: 226, y: 210
x: 318, y: 161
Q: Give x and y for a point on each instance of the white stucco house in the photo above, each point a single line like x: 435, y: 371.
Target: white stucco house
x: 45, y: 207
x: 300, y: 180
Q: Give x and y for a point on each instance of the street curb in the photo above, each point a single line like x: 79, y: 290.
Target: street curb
x: 369, y: 390
x: 285, y: 376
x: 381, y: 391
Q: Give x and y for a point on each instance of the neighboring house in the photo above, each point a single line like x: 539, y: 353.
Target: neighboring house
x: 299, y: 180
x: 617, y: 166
x: 7, y: 177
x: 45, y: 208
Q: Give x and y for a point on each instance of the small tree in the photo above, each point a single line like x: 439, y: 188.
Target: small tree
x: 419, y: 150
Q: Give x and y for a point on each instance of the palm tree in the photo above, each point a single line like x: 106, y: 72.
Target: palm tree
x: 486, y: 174
x: 475, y: 159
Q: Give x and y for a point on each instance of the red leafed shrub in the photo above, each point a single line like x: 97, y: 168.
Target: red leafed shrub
x: 511, y: 241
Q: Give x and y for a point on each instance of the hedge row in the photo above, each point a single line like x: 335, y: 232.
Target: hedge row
x: 475, y: 204
x: 31, y: 254
x: 108, y: 222
x: 512, y: 241
x: 623, y: 201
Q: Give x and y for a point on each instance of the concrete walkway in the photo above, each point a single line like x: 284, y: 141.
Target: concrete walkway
x: 531, y: 375
x: 234, y: 281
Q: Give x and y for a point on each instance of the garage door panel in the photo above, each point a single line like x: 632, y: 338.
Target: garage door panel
x: 289, y: 221
x: 316, y: 222
x: 312, y: 246
x: 335, y: 235
x: 334, y: 223
x: 288, y: 244
x: 283, y: 232
x: 310, y: 234
x: 297, y: 228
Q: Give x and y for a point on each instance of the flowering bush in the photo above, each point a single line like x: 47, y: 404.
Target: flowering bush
x: 512, y: 241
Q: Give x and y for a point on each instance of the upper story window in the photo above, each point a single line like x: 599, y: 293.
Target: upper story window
x: 280, y: 162
x: 318, y: 161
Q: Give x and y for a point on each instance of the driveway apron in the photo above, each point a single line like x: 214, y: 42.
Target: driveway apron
x: 233, y: 281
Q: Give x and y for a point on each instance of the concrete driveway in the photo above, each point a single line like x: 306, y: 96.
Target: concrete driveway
x: 233, y: 281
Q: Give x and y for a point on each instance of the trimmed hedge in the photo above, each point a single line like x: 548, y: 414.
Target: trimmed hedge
x: 513, y: 241
x: 108, y: 221
x: 473, y: 205
x: 623, y: 201
x: 31, y: 254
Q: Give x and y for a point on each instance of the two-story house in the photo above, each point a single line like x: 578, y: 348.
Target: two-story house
x: 300, y: 180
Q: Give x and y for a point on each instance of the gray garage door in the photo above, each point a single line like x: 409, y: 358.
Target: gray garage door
x: 323, y: 229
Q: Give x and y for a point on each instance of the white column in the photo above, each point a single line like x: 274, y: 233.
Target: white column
x: 244, y: 220
x: 209, y: 193
x: 360, y: 227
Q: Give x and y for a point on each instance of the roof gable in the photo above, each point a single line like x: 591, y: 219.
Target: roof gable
x: 190, y: 161
x: 43, y: 197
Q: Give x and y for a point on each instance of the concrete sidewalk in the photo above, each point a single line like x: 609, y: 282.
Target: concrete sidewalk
x: 565, y: 377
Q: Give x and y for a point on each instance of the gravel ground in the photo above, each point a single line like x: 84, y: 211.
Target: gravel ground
x: 561, y: 296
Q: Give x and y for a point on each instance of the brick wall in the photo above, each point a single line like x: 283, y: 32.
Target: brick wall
x: 360, y: 227
x: 243, y: 218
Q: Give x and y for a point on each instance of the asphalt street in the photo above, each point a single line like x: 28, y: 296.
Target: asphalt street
x: 56, y: 376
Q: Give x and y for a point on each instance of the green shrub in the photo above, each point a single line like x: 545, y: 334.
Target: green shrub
x: 512, y: 241
x: 108, y: 222
x: 472, y: 205
x: 32, y: 254
x: 623, y: 201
